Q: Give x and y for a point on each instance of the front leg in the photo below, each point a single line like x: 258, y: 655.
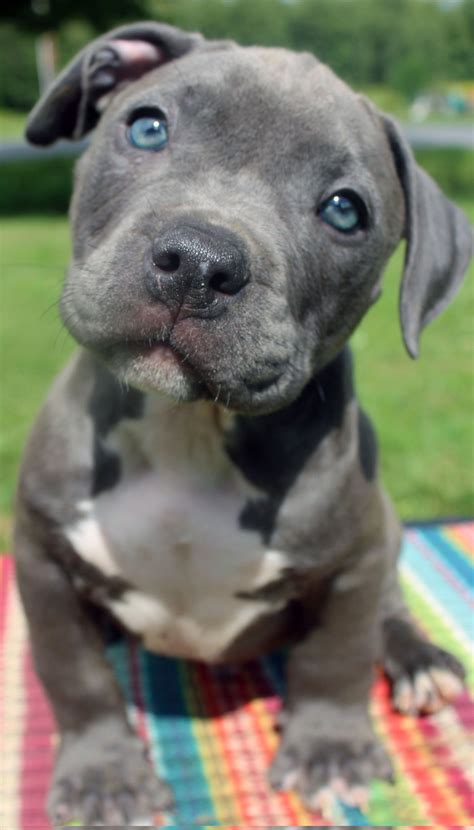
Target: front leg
x: 101, y: 775
x: 328, y: 745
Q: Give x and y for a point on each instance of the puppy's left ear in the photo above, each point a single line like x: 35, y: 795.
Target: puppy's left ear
x: 439, y: 244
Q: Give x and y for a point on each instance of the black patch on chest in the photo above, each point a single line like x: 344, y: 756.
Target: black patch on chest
x: 109, y: 404
x: 271, y: 450
x: 107, y: 468
x: 367, y: 446
x: 259, y: 515
x: 109, y: 628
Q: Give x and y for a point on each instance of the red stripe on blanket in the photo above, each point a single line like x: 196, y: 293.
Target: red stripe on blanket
x: 37, y: 751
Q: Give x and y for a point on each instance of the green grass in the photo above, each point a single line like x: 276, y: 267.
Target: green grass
x: 422, y: 410
x: 12, y: 124
x: 33, y: 345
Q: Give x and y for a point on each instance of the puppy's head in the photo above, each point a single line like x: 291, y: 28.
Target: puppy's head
x: 233, y: 215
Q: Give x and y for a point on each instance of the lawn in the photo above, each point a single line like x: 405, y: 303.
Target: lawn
x: 422, y: 410
x: 12, y: 124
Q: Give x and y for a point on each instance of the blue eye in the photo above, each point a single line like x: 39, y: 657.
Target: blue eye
x: 148, y: 132
x: 344, y: 211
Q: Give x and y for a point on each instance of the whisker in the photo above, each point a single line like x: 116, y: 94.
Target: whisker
x: 54, y: 304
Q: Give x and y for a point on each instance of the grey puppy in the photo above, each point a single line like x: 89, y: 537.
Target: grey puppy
x: 201, y: 470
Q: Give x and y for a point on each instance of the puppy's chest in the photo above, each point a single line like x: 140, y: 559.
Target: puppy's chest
x: 170, y: 533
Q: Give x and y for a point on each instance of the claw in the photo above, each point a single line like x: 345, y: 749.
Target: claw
x: 427, y: 699
x: 340, y: 788
x: 403, y: 696
x: 427, y: 692
x: 323, y: 801
x: 448, y: 684
x: 359, y: 797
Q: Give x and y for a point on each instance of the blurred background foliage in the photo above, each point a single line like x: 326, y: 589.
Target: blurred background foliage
x: 403, y: 46
x: 414, y: 58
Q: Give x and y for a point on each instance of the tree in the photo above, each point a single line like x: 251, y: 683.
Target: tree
x: 406, y: 45
x: 48, y: 15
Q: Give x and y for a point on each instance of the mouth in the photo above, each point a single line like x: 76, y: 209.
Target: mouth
x: 161, y: 366
x: 259, y: 386
x: 156, y: 366
x: 158, y: 351
x: 170, y: 359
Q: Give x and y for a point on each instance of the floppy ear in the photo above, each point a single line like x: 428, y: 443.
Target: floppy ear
x: 69, y: 108
x: 439, y: 244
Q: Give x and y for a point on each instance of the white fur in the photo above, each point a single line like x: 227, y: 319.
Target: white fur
x: 171, y: 528
x: 87, y: 539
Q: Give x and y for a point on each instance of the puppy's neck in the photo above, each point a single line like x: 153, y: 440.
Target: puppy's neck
x: 180, y: 438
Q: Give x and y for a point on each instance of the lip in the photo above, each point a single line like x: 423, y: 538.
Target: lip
x: 150, y: 346
x: 161, y: 356
x: 263, y: 385
x: 159, y: 350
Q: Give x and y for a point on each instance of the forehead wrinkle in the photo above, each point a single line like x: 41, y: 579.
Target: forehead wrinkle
x: 284, y: 105
x: 273, y: 80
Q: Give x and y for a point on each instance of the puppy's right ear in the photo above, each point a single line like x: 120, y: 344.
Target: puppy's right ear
x: 69, y: 108
x: 439, y: 243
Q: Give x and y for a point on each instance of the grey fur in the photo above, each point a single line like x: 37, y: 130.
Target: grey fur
x: 258, y: 139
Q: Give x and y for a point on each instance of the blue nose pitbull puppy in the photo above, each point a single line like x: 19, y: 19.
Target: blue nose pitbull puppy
x: 201, y: 470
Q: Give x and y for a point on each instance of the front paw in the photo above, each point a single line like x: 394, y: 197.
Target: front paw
x: 103, y: 779
x: 322, y: 765
x: 426, y: 680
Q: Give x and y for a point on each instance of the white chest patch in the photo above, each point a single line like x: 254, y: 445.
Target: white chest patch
x: 171, y: 529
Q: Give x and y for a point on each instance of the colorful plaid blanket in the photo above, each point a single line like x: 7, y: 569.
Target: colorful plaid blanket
x: 212, y: 730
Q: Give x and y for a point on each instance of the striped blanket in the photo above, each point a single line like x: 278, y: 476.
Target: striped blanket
x: 211, y: 730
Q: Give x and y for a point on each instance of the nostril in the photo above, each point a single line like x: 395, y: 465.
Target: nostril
x: 207, y: 264
x: 168, y: 261
x: 225, y: 283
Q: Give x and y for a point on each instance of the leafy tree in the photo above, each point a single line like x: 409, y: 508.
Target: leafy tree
x: 44, y: 15
x: 19, y: 85
x: 459, y: 40
x: 406, y: 45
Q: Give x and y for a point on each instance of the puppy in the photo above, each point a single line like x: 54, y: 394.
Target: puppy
x: 201, y: 470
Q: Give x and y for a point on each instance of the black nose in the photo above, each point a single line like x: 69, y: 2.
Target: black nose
x: 199, y: 263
